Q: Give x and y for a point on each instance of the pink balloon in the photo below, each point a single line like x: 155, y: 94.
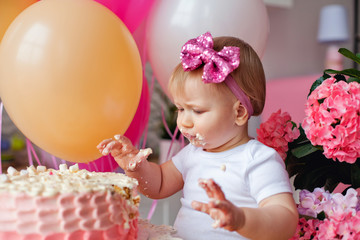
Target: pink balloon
x: 134, y: 133
x: 131, y: 12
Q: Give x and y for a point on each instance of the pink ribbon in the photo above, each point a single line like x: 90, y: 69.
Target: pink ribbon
x: 218, y: 65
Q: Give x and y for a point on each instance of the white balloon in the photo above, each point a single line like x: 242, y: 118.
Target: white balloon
x: 172, y: 22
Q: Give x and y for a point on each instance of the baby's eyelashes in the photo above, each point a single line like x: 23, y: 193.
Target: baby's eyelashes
x: 197, y: 111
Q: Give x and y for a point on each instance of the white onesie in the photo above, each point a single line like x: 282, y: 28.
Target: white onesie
x: 247, y: 174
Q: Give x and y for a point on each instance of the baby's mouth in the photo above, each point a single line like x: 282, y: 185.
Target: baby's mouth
x: 196, y: 139
x: 188, y: 136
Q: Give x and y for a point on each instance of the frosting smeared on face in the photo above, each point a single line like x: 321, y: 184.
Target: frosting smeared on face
x: 199, y: 140
x: 196, y: 139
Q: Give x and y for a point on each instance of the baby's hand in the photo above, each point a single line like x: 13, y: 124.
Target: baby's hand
x: 125, y: 154
x: 225, y: 214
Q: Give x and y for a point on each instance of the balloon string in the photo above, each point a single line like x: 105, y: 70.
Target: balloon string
x: 165, y: 123
x: 182, y: 141
x: 143, y: 56
x: 54, y: 162
x: 154, y: 203
x: 31, y: 163
x: 103, y: 165
x: 35, y: 155
x: 173, y: 139
x: 173, y: 136
x: 94, y: 165
x: 148, y: 115
x: 110, y: 163
x: 143, y: 61
x: 30, y: 149
x: 1, y: 111
x: 89, y: 166
x: 152, y: 209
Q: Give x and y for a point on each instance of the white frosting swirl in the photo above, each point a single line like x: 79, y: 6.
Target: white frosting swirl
x: 49, y: 182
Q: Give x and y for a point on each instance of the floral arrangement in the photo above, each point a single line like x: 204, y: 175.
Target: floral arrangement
x: 332, y: 119
x: 278, y: 131
x: 328, y: 216
x: 323, y: 151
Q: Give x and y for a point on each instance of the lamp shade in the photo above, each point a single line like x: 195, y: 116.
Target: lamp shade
x: 333, y: 24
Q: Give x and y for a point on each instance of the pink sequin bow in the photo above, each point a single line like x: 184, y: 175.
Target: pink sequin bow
x: 217, y: 65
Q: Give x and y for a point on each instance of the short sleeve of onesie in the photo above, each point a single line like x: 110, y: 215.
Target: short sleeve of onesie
x: 180, y: 159
x: 266, y: 172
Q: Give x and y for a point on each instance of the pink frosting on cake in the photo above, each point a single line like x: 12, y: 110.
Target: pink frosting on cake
x: 94, y: 212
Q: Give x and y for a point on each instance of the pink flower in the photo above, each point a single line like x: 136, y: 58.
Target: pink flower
x: 312, y: 203
x: 333, y: 119
x: 306, y: 229
x: 343, y: 226
x: 343, y: 204
x: 310, y: 228
x: 342, y: 221
x: 277, y: 132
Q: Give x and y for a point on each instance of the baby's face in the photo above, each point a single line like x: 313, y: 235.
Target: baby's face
x: 205, y: 117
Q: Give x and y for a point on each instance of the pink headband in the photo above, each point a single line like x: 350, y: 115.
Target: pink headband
x: 217, y: 65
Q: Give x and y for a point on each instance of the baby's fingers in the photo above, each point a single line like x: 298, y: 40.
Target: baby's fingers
x: 224, y: 206
x: 228, y: 216
x: 112, y: 146
x: 103, y: 144
x: 199, y: 206
x: 214, y: 212
x: 126, y: 143
x: 212, y: 189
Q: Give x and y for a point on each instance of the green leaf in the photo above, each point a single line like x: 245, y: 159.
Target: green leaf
x: 294, y: 165
x: 322, y: 176
x: 351, y: 72
x: 315, y: 170
x: 332, y: 182
x: 351, y: 79
x: 340, y: 77
x: 293, y: 125
x: 355, y: 174
x: 300, y: 140
x: 347, y: 53
x: 321, y: 215
x: 318, y: 82
x: 311, y: 178
x: 303, y: 150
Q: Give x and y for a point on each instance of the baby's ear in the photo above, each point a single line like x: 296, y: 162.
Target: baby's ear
x: 242, y: 114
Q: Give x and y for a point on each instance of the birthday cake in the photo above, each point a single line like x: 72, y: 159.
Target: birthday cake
x: 47, y: 204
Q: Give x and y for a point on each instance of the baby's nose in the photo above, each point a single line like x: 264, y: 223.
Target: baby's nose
x: 186, y: 120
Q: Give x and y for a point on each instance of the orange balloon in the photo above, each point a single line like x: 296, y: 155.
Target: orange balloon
x: 9, y: 9
x: 70, y: 76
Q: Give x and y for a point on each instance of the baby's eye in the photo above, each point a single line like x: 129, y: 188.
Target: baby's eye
x: 180, y: 109
x: 197, y: 111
